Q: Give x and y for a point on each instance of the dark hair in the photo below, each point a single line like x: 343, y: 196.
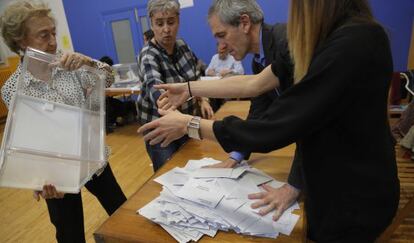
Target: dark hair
x: 149, y: 34
x: 107, y: 60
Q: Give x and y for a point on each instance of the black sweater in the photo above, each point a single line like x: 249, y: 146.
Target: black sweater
x: 337, y: 115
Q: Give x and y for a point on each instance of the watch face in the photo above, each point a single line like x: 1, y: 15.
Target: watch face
x: 193, y: 133
x: 193, y: 128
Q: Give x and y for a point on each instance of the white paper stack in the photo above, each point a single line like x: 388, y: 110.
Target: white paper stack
x: 197, y: 201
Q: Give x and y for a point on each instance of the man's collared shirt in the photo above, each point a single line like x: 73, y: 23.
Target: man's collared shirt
x: 260, y: 57
x: 155, y: 66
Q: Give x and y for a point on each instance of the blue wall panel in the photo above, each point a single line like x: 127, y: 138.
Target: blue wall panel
x: 86, y: 25
x: 397, y: 18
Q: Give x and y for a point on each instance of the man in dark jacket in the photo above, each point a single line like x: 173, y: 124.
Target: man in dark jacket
x: 239, y: 26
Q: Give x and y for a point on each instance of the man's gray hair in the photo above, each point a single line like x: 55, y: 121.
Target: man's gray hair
x: 162, y: 6
x: 229, y: 11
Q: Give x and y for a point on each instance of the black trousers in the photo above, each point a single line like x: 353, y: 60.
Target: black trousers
x: 66, y: 214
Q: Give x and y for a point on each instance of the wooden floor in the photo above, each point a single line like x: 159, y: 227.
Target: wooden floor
x: 22, y: 219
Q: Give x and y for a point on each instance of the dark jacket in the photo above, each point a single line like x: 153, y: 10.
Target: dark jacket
x: 343, y: 139
x: 275, y: 48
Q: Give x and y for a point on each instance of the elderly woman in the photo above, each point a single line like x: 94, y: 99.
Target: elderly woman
x: 25, y: 24
x: 166, y: 59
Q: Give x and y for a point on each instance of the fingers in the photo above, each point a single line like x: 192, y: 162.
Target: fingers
x: 36, y: 195
x: 258, y: 195
x: 204, y: 113
x: 210, y: 113
x: 267, y: 187
x: 163, y: 103
x: 50, y: 192
x: 259, y: 204
x: 156, y: 140
x: 164, y: 112
x: 172, y: 108
x: 206, y: 110
x: 148, y: 126
x: 279, y: 211
x: 68, y: 61
x: 267, y: 209
x: 167, y: 106
x: 46, y: 192
x: 73, y: 61
x: 167, y: 141
x: 151, y: 135
x: 163, y: 95
x: 155, y: 137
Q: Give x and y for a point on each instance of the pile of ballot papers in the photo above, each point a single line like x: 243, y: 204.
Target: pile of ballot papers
x: 198, y: 201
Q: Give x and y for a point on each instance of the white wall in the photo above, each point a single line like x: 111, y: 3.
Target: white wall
x: 63, y: 35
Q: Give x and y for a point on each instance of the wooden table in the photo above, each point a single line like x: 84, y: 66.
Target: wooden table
x: 125, y: 225
x: 121, y: 91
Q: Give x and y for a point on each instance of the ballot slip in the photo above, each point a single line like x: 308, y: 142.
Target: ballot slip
x: 197, y: 201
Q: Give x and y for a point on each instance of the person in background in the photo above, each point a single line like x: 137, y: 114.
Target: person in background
x: 166, y: 59
x: 222, y: 64
x: 349, y: 172
x: 148, y: 35
x: 26, y: 24
x: 107, y: 60
x: 113, y: 107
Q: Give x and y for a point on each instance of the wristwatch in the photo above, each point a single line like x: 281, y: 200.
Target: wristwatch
x: 193, y: 128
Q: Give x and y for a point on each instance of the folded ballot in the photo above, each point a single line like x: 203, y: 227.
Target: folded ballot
x: 197, y: 201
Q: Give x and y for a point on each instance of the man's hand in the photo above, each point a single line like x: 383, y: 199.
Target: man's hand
x: 171, y: 126
x: 211, y: 72
x: 225, y: 72
x: 278, y: 199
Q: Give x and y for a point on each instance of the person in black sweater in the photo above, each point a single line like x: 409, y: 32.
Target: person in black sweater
x: 343, y: 138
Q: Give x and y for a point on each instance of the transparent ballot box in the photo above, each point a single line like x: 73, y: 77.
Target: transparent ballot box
x: 126, y: 75
x: 55, y: 127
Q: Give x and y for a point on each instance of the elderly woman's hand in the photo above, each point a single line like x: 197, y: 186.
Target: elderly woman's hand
x: 170, y: 127
x: 48, y: 192
x: 73, y: 60
x: 177, y: 94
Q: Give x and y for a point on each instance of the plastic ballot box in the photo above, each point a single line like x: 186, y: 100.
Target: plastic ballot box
x: 55, y: 127
x: 126, y: 75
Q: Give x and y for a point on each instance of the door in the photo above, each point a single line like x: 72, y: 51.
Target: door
x: 411, y: 54
x: 123, y: 33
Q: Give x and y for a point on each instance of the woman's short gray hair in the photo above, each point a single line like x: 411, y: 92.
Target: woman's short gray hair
x: 162, y: 6
x: 229, y: 11
x: 14, y: 18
